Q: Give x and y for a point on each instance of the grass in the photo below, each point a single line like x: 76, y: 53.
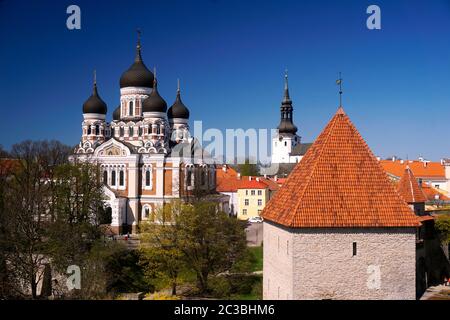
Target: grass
x: 258, y: 254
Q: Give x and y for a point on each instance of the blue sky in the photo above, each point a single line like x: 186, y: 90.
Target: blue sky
x: 231, y: 56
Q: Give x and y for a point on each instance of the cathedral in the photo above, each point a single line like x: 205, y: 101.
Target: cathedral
x: 146, y: 153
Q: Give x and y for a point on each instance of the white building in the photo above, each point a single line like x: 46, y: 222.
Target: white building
x: 337, y: 228
x: 286, y: 146
x: 146, y: 153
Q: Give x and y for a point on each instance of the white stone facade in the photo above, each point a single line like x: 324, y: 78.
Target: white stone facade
x: 282, y: 147
x: 306, y: 263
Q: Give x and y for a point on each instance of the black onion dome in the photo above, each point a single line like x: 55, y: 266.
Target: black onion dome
x: 95, y: 104
x: 116, y: 114
x: 178, y: 109
x: 154, y: 103
x: 287, y: 127
x: 138, y: 74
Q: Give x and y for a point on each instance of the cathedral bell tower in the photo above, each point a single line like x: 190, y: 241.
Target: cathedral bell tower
x: 94, y: 112
x: 178, y: 115
x: 287, y: 138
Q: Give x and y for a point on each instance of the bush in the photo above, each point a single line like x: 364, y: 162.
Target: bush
x: 220, y: 287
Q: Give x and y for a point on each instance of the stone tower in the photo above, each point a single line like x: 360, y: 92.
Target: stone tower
x: 337, y: 228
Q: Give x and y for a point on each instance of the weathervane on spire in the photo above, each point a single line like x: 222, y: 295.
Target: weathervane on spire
x: 95, y: 77
x: 178, y: 85
x: 339, y: 83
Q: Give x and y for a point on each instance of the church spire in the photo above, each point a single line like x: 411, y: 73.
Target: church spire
x: 138, y: 57
x: 286, y: 98
x: 95, y: 92
x: 286, y: 111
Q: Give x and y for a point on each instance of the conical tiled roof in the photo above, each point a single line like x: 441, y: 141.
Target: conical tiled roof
x: 409, y: 188
x: 339, y: 183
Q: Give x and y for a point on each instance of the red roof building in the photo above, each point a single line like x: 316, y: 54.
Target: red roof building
x: 336, y: 222
x: 339, y: 183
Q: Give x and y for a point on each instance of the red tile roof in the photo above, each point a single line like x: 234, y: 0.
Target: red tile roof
x: 226, y: 179
x: 432, y: 193
x: 8, y: 166
x: 273, y: 186
x: 429, y: 170
x: 339, y: 183
x: 245, y: 183
x: 229, y: 181
x: 409, y: 189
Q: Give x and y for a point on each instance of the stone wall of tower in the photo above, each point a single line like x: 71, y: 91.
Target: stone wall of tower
x: 320, y: 263
x: 277, y: 263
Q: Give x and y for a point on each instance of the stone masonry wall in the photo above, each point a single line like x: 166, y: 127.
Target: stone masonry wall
x: 278, y: 271
x: 319, y: 263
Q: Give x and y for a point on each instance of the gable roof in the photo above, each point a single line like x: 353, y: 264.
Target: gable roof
x: 301, y: 149
x: 428, y: 170
x: 432, y: 193
x: 409, y: 188
x: 339, y: 183
x: 226, y: 179
x: 246, y: 183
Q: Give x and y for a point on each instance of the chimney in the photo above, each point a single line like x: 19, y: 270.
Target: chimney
x: 224, y: 168
x: 394, y: 158
x: 265, y: 176
x: 257, y: 179
x: 239, y: 176
x: 249, y: 178
x: 275, y: 178
x: 378, y: 158
x: 401, y: 161
x: 425, y: 163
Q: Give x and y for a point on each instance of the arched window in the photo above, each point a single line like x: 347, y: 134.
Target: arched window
x: 130, y: 108
x: 121, y: 178
x: 147, y: 178
x: 158, y: 129
x: 106, y: 216
x: 122, y: 131
x: 146, y: 212
x: 189, y: 178
x: 140, y: 131
x: 113, y: 178
x: 203, y: 177
x: 89, y: 130
x: 131, y: 132
x: 105, y: 177
x: 97, y: 130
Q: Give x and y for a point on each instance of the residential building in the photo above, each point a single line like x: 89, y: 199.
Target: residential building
x: 227, y: 180
x: 253, y: 194
x: 432, y: 173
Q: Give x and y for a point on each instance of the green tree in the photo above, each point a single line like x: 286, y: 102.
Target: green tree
x: 194, y: 236
x: 161, y: 255
x: 442, y: 225
x: 211, y: 241
x: 49, y: 213
x: 248, y: 169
